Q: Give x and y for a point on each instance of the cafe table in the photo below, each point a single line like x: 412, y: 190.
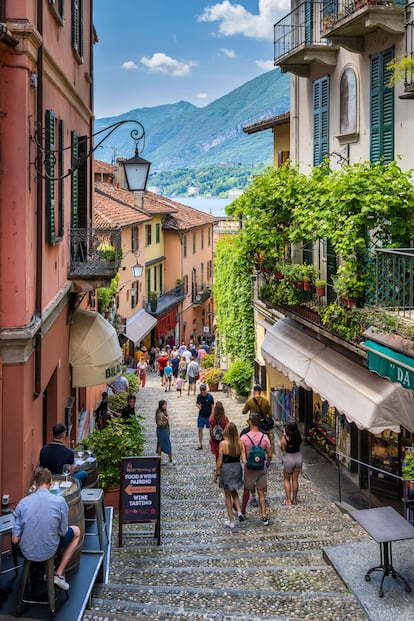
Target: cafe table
x: 385, y: 525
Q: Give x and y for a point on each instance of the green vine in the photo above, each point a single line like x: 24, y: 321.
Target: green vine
x: 232, y: 295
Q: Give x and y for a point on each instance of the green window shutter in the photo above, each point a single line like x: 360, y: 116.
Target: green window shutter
x: 161, y: 278
x: 61, y: 185
x: 74, y: 24
x: 320, y: 120
x: 74, y: 200
x: 80, y: 28
x: 77, y: 26
x: 83, y: 183
x: 50, y: 144
x: 381, y: 108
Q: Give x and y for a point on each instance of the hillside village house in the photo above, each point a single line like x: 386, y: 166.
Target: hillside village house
x: 357, y: 398
x: 173, y: 243
x: 51, y: 254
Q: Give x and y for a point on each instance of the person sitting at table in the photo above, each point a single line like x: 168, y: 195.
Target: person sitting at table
x: 41, y: 527
x: 55, y: 454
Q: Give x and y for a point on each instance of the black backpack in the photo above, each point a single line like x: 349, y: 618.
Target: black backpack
x: 257, y: 455
x: 217, y: 433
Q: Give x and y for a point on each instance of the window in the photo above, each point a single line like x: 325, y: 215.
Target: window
x: 320, y: 120
x: 134, y: 293
x: 202, y: 239
x: 160, y: 275
x: 56, y: 6
x: 148, y: 275
x: 148, y: 234
x: 184, y: 245
x: 77, y: 29
x: 209, y: 271
x: 185, y: 282
x: 381, y: 108
x: 54, y: 133
x: 194, y: 241
x: 134, y: 238
x: 157, y: 233
x: 348, y: 102
x: 202, y: 275
x: 208, y: 236
x: 155, y: 278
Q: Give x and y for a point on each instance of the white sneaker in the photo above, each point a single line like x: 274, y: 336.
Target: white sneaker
x: 229, y: 524
x: 172, y: 463
x: 61, y: 582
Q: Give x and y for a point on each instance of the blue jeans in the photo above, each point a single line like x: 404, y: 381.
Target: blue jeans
x: 81, y: 476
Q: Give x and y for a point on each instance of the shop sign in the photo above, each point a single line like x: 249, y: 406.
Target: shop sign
x: 386, y: 362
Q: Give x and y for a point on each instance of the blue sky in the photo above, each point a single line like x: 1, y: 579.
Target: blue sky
x: 154, y: 52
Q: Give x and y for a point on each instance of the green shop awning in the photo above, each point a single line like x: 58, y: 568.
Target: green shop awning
x: 390, y: 363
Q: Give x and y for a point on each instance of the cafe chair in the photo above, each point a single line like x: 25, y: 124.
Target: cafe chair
x: 29, y: 571
x: 6, y: 525
x: 95, y: 497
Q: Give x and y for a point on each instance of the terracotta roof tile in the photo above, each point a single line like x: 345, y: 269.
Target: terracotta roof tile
x: 104, y: 167
x: 115, y: 208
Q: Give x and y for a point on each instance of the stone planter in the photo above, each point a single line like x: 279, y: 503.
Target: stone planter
x: 213, y: 387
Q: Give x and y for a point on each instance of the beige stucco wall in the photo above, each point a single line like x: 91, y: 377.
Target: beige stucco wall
x: 301, y: 107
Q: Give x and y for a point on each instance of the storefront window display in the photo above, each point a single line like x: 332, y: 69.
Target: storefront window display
x: 322, y: 432
x: 284, y: 404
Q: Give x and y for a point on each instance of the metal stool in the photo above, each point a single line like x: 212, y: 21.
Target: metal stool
x: 28, y: 567
x: 6, y: 525
x: 95, y: 497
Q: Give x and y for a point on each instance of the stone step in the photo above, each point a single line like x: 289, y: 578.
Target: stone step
x: 224, y: 604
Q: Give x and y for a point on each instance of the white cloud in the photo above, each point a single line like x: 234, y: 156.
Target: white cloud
x: 162, y: 63
x: 201, y: 95
x: 234, y: 19
x: 227, y: 52
x: 129, y: 64
x: 266, y: 65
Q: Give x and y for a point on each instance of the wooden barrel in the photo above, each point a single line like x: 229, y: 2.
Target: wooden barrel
x: 72, y: 495
x: 89, y: 465
x: 83, y: 462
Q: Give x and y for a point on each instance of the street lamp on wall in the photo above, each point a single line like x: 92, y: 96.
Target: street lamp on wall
x: 137, y: 269
x: 136, y: 168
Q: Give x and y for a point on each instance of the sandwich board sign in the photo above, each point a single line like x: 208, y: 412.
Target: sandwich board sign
x: 140, y: 497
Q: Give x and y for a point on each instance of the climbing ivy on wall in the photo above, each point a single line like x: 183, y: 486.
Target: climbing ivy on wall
x: 233, y: 300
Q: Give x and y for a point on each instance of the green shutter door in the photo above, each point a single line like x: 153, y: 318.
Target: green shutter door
x: 50, y: 143
x: 320, y: 120
x: 381, y: 109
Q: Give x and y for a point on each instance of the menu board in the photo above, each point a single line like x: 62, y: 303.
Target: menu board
x: 140, y: 492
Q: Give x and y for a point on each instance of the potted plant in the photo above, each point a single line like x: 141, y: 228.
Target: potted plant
x: 407, y: 469
x: 153, y: 299
x: 320, y: 287
x: 348, y: 287
x: 402, y: 68
x: 239, y: 377
x: 212, y: 377
x: 118, y: 439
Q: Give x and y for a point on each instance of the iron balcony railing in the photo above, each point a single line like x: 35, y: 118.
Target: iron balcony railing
x: 94, y: 253
x: 156, y: 305
x: 301, y: 27
x: 201, y: 296
x: 395, y: 280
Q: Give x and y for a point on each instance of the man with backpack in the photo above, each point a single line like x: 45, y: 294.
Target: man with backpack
x: 258, y: 460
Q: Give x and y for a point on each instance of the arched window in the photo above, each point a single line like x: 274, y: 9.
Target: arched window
x: 348, y: 102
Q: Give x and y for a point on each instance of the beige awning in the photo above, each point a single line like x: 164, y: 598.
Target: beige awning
x: 369, y: 401
x: 94, y: 351
x: 140, y: 326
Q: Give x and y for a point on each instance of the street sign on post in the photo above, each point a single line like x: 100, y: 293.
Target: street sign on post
x: 140, y: 494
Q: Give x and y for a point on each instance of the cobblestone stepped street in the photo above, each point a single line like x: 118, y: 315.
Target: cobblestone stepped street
x: 203, y: 570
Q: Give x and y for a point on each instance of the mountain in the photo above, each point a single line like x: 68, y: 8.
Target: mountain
x: 184, y: 136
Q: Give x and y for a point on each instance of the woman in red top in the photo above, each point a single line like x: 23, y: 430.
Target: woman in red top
x: 218, y: 417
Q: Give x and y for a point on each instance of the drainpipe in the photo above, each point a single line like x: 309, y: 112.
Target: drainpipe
x: 39, y: 212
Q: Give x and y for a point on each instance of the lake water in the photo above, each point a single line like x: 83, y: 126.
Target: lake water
x: 213, y: 206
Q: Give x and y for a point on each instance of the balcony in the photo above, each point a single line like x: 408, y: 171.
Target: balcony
x: 201, y: 296
x: 157, y: 305
x: 395, y: 281
x: 299, y: 42
x: 94, y: 257
x: 348, y: 22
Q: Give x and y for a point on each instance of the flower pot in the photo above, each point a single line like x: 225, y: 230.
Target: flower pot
x: 213, y: 387
x: 111, y: 497
x: 321, y: 290
x: 278, y: 275
x: 347, y: 302
x: 306, y: 285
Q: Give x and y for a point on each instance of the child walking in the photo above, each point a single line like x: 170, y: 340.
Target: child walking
x: 179, y: 386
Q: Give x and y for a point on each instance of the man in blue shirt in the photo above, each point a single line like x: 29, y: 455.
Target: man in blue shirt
x: 41, y: 526
x: 205, y: 404
x: 55, y: 454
